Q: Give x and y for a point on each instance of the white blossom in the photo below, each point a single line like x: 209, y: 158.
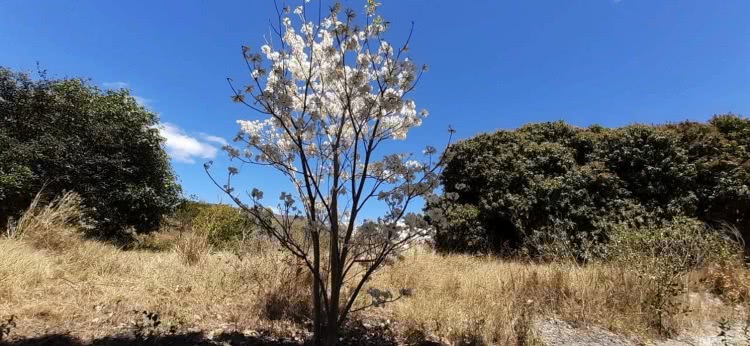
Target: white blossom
x: 413, y: 164
x: 326, y: 88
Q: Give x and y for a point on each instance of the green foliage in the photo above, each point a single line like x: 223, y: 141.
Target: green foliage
x: 67, y: 135
x: 222, y: 224
x: 462, y: 231
x: 552, y: 187
x: 184, y: 213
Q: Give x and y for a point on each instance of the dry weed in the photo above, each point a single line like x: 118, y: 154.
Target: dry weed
x: 192, y: 248
x: 50, y: 226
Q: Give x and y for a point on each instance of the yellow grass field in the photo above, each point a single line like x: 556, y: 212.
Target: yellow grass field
x: 90, y: 289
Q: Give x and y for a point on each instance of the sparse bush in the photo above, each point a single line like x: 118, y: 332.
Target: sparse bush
x: 662, y: 255
x: 221, y: 224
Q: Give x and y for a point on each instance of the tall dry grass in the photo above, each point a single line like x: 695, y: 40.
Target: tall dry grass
x: 192, y: 248
x: 461, y: 297
x: 49, y: 226
x: 91, y: 289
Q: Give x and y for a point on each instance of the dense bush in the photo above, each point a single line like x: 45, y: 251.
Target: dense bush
x: 552, y: 183
x: 67, y: 135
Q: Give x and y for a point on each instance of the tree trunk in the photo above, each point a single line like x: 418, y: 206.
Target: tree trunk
x: 317, y: 315
x: 332, y: 325
x: 332, y: 328
x: 333, y: 303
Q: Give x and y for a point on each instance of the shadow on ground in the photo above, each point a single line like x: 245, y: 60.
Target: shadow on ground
x: 350, y: 337
x: 124, y: 340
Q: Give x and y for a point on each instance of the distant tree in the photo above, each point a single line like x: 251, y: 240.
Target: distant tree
x: 334, y: 91
x: 65, y: 134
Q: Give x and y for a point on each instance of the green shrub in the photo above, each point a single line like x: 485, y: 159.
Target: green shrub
x: 67, y: 135
x: 466, y: 233
x: 222, y: 224
x: 184, y: 213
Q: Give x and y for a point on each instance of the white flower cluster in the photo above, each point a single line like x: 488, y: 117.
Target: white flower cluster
x: 329, y: 84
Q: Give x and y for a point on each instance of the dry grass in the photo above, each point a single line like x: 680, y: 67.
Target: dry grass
x: 192, y: 248
x: 459, y: 297
x: 50, y: 226
x: 91, y: 289
x: 729, y: 280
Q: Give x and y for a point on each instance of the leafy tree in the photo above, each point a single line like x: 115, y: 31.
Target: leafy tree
x: 65, y: 134
x: 334, y: 91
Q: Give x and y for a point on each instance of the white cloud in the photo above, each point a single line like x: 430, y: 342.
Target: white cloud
x: 617, y: 1
x: 184, y: 148
x: 115, y: 85
x: 213, y: 139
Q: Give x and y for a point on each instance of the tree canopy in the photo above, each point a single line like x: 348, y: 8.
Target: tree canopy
x: 67, y: 135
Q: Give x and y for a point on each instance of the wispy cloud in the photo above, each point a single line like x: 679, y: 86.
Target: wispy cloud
x: 115, y: 85
x: 185, y: 148
x: 213, y: 139
x: 617, y: 1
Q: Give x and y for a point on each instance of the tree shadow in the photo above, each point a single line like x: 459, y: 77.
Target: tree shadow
x: 231, y: 338
x: 352, y: 335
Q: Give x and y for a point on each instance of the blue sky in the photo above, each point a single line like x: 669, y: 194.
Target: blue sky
x: 493, y: 64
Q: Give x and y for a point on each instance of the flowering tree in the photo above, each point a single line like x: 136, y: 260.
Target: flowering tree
x: 331, y: 92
